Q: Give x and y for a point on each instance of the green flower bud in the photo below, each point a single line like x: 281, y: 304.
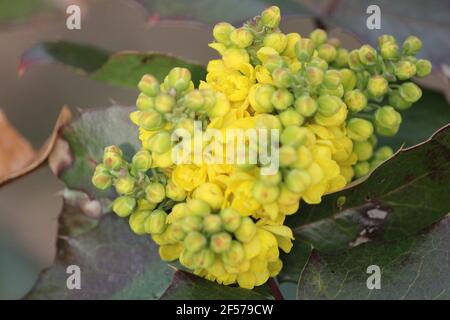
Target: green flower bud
x: 288, y: 155
x: 246, y: 230
x: 149, y: 85
x: 328, y: 105
x: 188, y: 259
x: 384, y: 153
x: 231, y: 219
x: 137, y: 221
x: 273, y: 179
x: 359, y: 129
x: 318, y: 36
x: 112, y: 160
x: 235, y: 255
x: 124, y: 206
x: 125, y: 185
x: 290, y: 117
x: 423, y: 68
x: 222, y: 31
x: 327, y: 52
x: 396, y: 100
x: 363, y: 150
x: 412, y: 46
x: 332, y: 79
x: 341, y: 59
x: 194, y: 100
x: 271, y: 17
x: 282, y: 77
x: 349, y: 79
x: 294, y: 136
x: 404, y: 70
x: 387, y: 121
x: 304, y: 49
x: 150, y: 120
x: 192, y: 223
x: 306, y: 106
x: 198, y: 207
x: 336, y: 92
x: 145, y: 102
x: 241, y: 37
x: 194, y: 241
x: 212, y: 223
x: 155, y: 192
x: 386, y: 38
x: 318, y: 63
x: 175, y: 192
x: 274, y: 62
x: 164, y: 102
x: 410, y: 92
x: 314, y: 76
x: 205, y: 258
x: 263, y: 97
x: 367, y: 55
x: 102, y: 180
x: 155, y: 223
x: 142, y: 160
x: 265, y: 193
x: 113, y: 149
x: 267, y: 121
x: 298, y: 180
x: 354, y: 62
x: 355, y: 100
x: 362, y: 79
x: 390, y: 51
x: 377, y: 86
x: 160, y: 142
x: 276, y: 40
x: 361, y: 169
x: 282, y: 99
x: 179, y: 78
x: 220, y: 242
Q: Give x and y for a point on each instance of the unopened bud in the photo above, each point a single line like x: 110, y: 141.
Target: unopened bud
x: 410, y: 92
x: 390, y: 51
x: 298, y: 180
x: 355, y: 100
x: 282, y: 99
x: 288, y: 155
x: 235, y: 254
x: 210, y: 193
x: 212, y: 223
x: 221, y: 32
x: 149, y: 85
x: 142, y: 160
x: 194, y: 100
x: 294, y: 136
x: 341, y: 59
x: 205, y: 258
x: 359, y: 129
x: 160, y: 142
x: 328, y: 105
x: 263, y: 97
x: 405, y: 70
x: 367, y: 55
x: 423, y: 68
x: 396, y: 100
x: 175, y: 192
x: 265, y: 193
x: 282, y: 77
x: 179, y: 78
x: 271, y: 17
x: 387, y: 121
x: 306, y: 106
x: 155, y: 223
x: 220, y: 242
x: 137, y: 221
x: 363, y: 150
x: 198, y: 207
x: 384, y: 153
x: 164, y: 102
x: 349, y: 79
x: 354, y: 62
x: 377, y: 86
x: 145, y: 102
x: 276, y: 40
x: 124, y: 206
x: 231, y: 219
x: 290, y: 117
x: 361, y: 169
x: 150, y: 120
x: 194, y: 241
x: 125, y: 185
x: 304, y: 49
x: 192, y: 223
x: 155, y: 192
x: 318, y: 36
x: 412, y: 45
x: 246, y: 230
x: 314, y: 76
x: 112, y: 160
x: 332, y: 79
x: 102, y: 180
x: 327, y: 52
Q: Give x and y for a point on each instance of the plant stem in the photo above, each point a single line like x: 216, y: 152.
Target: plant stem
x: 275, y: 289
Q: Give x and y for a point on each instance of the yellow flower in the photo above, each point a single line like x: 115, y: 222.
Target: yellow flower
x: 189, y: 176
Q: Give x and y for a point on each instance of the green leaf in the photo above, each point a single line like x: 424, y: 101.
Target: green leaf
x: 122, y: 69
x: 188, y: 286
x: 213, y: 11
x: 114, y: 264
x: 295, y: 261
x: 413, y: 268
x: 403, y: 196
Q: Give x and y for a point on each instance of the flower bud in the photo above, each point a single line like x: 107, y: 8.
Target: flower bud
x: 231, y: 219
x: 192, y: 223
x: 304, y: 49
x: 222, y: 31
x: 282, y: 99
x: 327, y: 52
x: 282, y: 77
x: 359, y: 129
x: 220, y: 242
x: 145, y: 102
x: 267, y: 121
x: 265, y: 193
x: 292, y: 39
x: 332, y: 79
x: 384, y: 153
x: 123, y: 206
x: 304, y: 158
x: 137, y: 221
x: 102, y: 180
x: 212, y: 223
x: 390, y: 51
x: 198, y: 207
x: 385, y: 38
x: 318, y: 63
x: 273, y: 179
x: 318, y: 36
x: 266, y: 53
x: 290, y: 117
x: 246, y: 230
x: 273, y: 63
x: 355, y: 100
x: 179, y: 78
x: 188, y: 259
x: 276, y: 40
x: 412, y: 46
x: 155, y: 223
x: 367, y: 55
x: 205, y: 258
x: 354, y: 62
x: 328, y: 105
x: 241, y: 37
x: 210, y: 193
x: 235, y: 254
x: 306, y: 106
x: 363, y: 150
x: 298, y: 180
x: 149, y: 85
x: 175, y: 192
x: 263, y: 97
x: 150, y: 120
x: 112, y: 160
x: 194, y: 100
x: 271, y: 17
x: 160, y: 142
x: 349, y: 79
x: 423, y: 68
x: 164, y: 102
x: 404, y: 70
x: 288, y: 155
x: 314, y: 76
x: 387, y: 121
x: 410, y: 92
x: 341, y: 59
x: 294, y: 136
x: 377, y: 86
x: 361, y: 169
x: 155, y: 192
x: 125, y: 185
x: 142, y: 160
x: 396, y: 100
x: 194, y: 241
